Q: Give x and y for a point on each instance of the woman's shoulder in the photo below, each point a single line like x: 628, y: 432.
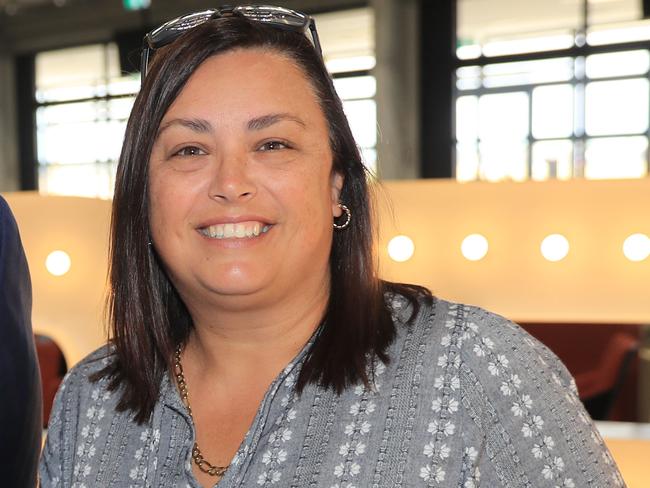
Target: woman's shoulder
x: 84, y: 378
x: 494, y: 345
x: 91, y: 364
x: 478, y: 339
x: 522, y: 401
x: 489, y: 344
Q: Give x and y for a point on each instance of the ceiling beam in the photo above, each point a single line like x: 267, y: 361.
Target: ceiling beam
x: 83, y: 22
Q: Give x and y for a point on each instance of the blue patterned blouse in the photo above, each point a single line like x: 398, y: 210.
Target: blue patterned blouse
x: 468, y: 400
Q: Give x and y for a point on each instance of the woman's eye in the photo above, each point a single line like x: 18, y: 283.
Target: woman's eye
x: 273, y: 146
x: 190, y: 151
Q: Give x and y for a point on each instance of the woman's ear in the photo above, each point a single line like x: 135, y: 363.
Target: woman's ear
x: 336, y: 187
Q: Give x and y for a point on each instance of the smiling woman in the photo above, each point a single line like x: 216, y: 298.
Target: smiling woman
x: 247, y: 166
x: 252, y: 342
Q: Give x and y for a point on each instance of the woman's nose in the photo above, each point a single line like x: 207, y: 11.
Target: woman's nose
x: 231, y: 181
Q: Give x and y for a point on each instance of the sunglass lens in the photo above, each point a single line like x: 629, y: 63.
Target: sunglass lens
x: 274, y: 15
x: 166, y: 33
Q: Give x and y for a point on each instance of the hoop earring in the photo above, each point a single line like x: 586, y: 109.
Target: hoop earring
x: 348, y: 218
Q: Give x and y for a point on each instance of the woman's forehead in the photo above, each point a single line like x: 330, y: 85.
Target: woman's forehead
x: 249, y: 83
x: 268, y: 72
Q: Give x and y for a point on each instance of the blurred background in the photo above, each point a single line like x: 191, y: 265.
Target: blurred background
x: 467, y: 89
x: 510, y: 137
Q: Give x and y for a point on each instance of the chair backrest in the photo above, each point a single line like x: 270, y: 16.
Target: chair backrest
x: 53, y: 369
x: 603, y: 359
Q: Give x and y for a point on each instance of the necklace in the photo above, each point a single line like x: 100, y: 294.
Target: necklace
x: 197, y: 456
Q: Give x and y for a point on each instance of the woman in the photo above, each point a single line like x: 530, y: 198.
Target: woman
x: 252, y: 341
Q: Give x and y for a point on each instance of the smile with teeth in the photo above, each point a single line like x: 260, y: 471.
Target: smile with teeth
x: 239, y: 230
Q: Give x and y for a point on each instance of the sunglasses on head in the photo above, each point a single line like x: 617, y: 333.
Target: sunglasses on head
x: 279, y: 17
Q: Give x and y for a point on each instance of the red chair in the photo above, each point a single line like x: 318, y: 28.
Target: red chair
x: 603, y: 359
x: 53, y: 369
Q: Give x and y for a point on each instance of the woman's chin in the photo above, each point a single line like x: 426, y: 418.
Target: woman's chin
x: 237, y: 283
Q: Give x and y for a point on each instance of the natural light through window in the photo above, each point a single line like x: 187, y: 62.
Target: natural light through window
x: 84, y: 100
x: 544, y: 91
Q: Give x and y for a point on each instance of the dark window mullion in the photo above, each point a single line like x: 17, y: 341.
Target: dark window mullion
x: 26, y: 118
x: 531, y: 140
x: 579, y: 114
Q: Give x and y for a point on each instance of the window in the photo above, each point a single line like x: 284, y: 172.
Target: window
x: 348, y: 44
x: 547, y: 96
x: 361, y: 110
x: 83, y: 103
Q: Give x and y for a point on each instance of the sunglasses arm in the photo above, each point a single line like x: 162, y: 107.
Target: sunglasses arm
x: 144, y: 62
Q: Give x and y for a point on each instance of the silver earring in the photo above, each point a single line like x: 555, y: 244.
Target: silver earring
x: 348, y: 218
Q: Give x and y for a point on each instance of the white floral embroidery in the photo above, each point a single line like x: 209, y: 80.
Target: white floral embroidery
x: 550, y: 471
x: 471, y: 453
x: 496, y: 366
x: 447, y: 428
x: 359, y: 426
x: 453, y: 382
x: 270, y: 477
x: 359, y: 389
x: 519, y: 407
x: 276, y: 455
x: 444, y: 361
x: 483, y: 346
x: 444, y: 451
x: 341, y: 470
x: 540, y: 450
x: 509, y: 386
x: 432, y: 473
x: 532, y: 426
x: 283, y: 435
x: 291, y: 415
x: 474, y: 479
x: 150, y: 438
x: 90, y: 432
x: 445, y: 405
x: 471, y: 471
x: 567, y: 483
x: 358, y: 408
x: 285, y: 400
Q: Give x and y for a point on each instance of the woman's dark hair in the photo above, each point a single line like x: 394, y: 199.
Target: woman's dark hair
x: 147, y: 319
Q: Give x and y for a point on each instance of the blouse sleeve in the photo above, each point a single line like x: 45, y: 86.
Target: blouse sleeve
x: 57, y: 454
x: 526, y: 425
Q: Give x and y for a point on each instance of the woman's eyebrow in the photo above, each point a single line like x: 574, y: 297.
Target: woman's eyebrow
x: 197, y: 125
x: 264, y: 121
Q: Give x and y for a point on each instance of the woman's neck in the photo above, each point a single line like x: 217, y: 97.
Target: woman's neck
x: 236, y: 344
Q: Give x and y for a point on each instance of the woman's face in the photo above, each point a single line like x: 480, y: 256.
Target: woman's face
x: 242, y: 193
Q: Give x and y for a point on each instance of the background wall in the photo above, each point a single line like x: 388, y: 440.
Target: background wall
x: 594, y: 283
x: 68, y: 308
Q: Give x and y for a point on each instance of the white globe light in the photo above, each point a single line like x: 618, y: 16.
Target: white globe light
x: 401, y: 248
x: 474, y: 247
x: 555, y: 247
x: 637, y: 247
x: 58, y: 263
